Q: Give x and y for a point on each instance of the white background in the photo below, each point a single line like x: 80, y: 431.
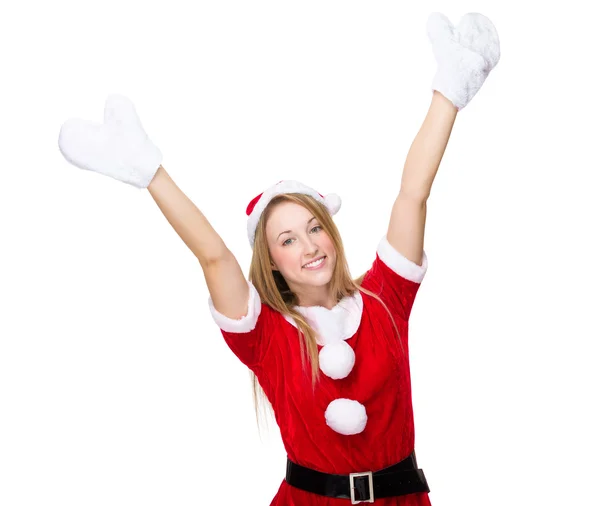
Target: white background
x: 115, y: 384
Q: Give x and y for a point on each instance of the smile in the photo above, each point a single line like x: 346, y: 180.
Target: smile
x: 315, y: 265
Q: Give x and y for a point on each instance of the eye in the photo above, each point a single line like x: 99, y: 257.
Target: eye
x: 285, y: 243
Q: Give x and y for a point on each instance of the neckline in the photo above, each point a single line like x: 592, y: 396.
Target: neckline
x: 333, y: 325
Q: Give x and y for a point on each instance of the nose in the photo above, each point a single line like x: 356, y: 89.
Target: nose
x: 311, y: 248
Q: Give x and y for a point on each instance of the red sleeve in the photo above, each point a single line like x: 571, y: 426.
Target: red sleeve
x: 247, y: 337
x: 395, y: 278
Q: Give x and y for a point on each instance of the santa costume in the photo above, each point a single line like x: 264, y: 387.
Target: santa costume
x: 353, y: 439
x: 360, y: 417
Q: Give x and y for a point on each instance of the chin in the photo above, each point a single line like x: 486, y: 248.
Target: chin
x: 323, y: 279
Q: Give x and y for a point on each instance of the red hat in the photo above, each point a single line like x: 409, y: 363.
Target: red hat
x: 258, y: 204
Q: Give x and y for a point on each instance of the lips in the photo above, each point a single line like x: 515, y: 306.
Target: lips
x: 313, y: 261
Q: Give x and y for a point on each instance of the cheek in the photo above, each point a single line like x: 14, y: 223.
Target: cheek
x: 331, y: 250
x: 281, y: 259
x: 329, y: 244
x: 274, y: 257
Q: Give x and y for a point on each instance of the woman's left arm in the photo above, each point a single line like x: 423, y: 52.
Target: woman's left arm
x: 465, y: 54
x: 406, y: 230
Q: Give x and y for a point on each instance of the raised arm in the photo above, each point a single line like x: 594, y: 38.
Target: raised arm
x: 225, y: 280
x: 120, y: 148
x: 406, y: 230
x: 465, y: 54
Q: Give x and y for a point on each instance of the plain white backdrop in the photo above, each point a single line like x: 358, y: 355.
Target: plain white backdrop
x: 115, y: 384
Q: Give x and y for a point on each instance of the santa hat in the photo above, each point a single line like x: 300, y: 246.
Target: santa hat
x: 258, y: 204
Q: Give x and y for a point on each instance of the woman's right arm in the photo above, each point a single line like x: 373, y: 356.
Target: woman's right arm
x: 225, y: 280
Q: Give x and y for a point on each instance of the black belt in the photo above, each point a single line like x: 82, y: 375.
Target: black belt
x: 399, y: 479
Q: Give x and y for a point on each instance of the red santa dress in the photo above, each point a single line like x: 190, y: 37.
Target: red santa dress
x: 360, y: 417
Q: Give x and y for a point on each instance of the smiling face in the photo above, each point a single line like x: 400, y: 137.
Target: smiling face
x: 295, y: 238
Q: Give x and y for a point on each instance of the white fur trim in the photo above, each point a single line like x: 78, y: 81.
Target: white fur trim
x: 336, y: 360
x: 346, y: 416
x: 331, y: 201
x: 399, y: 263
x: 332, y: 325
x: 244, y: 324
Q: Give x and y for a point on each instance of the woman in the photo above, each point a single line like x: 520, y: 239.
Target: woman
x: 329, y: 352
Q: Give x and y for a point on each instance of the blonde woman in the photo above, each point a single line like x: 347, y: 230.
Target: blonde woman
x: 328, y: 351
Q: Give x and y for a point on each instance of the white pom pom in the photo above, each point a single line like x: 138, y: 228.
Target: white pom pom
x: 336, y: 360
x: 333, y: 203
x: 346, y: 416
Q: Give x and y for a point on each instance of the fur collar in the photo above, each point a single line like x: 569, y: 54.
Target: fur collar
x: 333, y: 325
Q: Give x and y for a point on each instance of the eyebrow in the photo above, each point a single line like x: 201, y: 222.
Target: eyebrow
x: 286, y: 231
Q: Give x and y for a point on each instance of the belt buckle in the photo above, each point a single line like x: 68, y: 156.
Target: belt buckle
x: 352, y: 494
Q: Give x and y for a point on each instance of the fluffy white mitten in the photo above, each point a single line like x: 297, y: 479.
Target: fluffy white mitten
x: 119, y: 148
x: 465, y: 55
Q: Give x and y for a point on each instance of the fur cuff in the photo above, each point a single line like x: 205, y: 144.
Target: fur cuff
x: 244, y: 324
x: 399, y: 263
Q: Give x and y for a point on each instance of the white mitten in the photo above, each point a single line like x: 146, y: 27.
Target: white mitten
x: 465, y: 55
x: 119, y: 148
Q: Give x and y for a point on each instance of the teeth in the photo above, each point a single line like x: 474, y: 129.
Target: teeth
x: 313, y: 264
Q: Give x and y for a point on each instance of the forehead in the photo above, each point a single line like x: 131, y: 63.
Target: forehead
x: 287, y: 216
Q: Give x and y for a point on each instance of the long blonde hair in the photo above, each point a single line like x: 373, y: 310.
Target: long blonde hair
x: 274, y: 291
